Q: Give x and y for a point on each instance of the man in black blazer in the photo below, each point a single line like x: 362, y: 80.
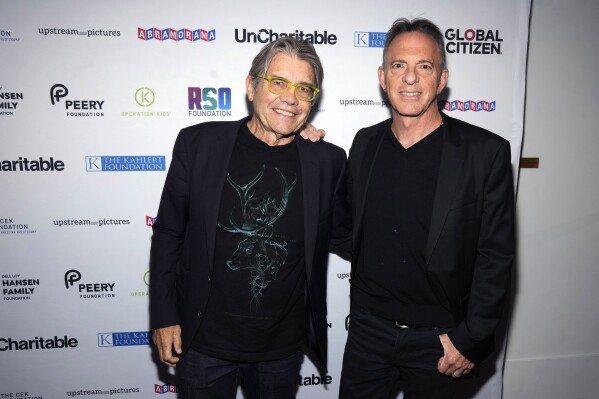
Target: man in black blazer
x: 433, y: 209
x: 240, y: 244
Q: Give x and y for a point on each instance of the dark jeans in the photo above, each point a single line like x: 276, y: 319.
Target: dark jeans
x: 204, y: 377
x: 382, y: 359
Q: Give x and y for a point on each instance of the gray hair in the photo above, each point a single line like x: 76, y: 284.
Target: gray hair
x: 420, y: 25
x: 291, y: 46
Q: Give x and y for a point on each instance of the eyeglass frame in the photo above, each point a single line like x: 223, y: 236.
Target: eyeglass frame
x: 269, y: 78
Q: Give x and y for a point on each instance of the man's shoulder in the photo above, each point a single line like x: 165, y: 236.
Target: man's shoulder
x: 323, y: 151
x: 472, y: 133
x: 370, y: 132
x: 376, y: 128
x: 205, y: 133
x: 324, y: 147
x: 210, y: 128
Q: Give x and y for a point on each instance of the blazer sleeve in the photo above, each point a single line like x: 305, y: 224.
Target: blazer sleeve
x: 168, y: 237
x: 341, y: 227
x: 493, y: 261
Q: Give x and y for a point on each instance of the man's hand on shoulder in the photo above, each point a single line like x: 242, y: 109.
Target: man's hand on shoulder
x: 452, y: 362
x: 165, y: 339
x: 312, y: 134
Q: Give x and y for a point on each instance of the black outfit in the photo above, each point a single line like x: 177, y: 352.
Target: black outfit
x: 451, y: 236
x: 391, y: 278
x: 201, y: 219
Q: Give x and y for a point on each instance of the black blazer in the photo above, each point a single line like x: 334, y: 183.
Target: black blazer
x: 182, y: 254
x: 471, y: 243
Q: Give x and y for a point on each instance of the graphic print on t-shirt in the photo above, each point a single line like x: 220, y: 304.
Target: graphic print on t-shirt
x: 259, y: 250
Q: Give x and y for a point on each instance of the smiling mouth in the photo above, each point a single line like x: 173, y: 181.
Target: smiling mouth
x: 283, y: 112
x: 410, y: 93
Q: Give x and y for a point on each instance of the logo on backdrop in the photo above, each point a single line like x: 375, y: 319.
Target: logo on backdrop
x: 88, y: 290
x: 79, y: 32
x: 17, y: 288
x: 165, y: 388
x: 370, y: 39
x: 364, y: 102
x: 112, y: 391
x: 89, y: 222
x: 133, y: 338
x: 8, y: 36
x: 125, y: 163
x: 146, y: 280
x: 23, y: 164
x: 344, y: 276
x: 268, y: 35
x: 473, y: 41
x: 9, y: 226
x: 468, y: 105
x: 21, y: 395
x: 176, y: 35
x: 150, y: 220
x: 9, y: 102
x: 314, y: 380
x: 15, y: 344
x: 209, y: 101
x: 75, y: 108
x: 144, y: 98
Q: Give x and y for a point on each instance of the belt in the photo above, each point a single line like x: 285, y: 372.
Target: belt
x: 399, y: 324
x: 404, y: 326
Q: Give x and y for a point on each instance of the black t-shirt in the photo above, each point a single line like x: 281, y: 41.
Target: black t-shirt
x: 256, y: 310
x: 391, y: 276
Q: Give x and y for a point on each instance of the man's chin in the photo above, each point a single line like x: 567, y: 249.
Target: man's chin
x: 286, y: 134
x: 289, y: 131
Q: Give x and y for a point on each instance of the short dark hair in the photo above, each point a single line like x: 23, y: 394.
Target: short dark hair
x: 420, y: 25
x: 291, y: 46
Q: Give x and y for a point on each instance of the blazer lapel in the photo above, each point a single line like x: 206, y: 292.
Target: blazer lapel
x: 450, y: 170
x: 362, y: 180
x: 311, y: 196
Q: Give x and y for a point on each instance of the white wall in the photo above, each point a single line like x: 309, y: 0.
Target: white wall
x: 553, y: 347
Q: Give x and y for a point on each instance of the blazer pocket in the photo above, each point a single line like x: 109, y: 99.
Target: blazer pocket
x: 463, y: 212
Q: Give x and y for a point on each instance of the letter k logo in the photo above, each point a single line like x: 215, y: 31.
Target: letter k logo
x: 144, y: 97
x: 104, y: 340
x: 93, y: 164
x: 360, y: 39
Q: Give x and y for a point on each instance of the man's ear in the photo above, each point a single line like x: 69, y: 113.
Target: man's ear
x: 382, y: 79
x: 443, y: 80
x: 250, y: 88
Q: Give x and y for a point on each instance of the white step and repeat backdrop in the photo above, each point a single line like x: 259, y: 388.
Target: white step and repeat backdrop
x: 92, y: 95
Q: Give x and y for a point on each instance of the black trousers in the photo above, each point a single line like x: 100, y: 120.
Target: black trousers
x: 204, y: 377
x: 382, y: 359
